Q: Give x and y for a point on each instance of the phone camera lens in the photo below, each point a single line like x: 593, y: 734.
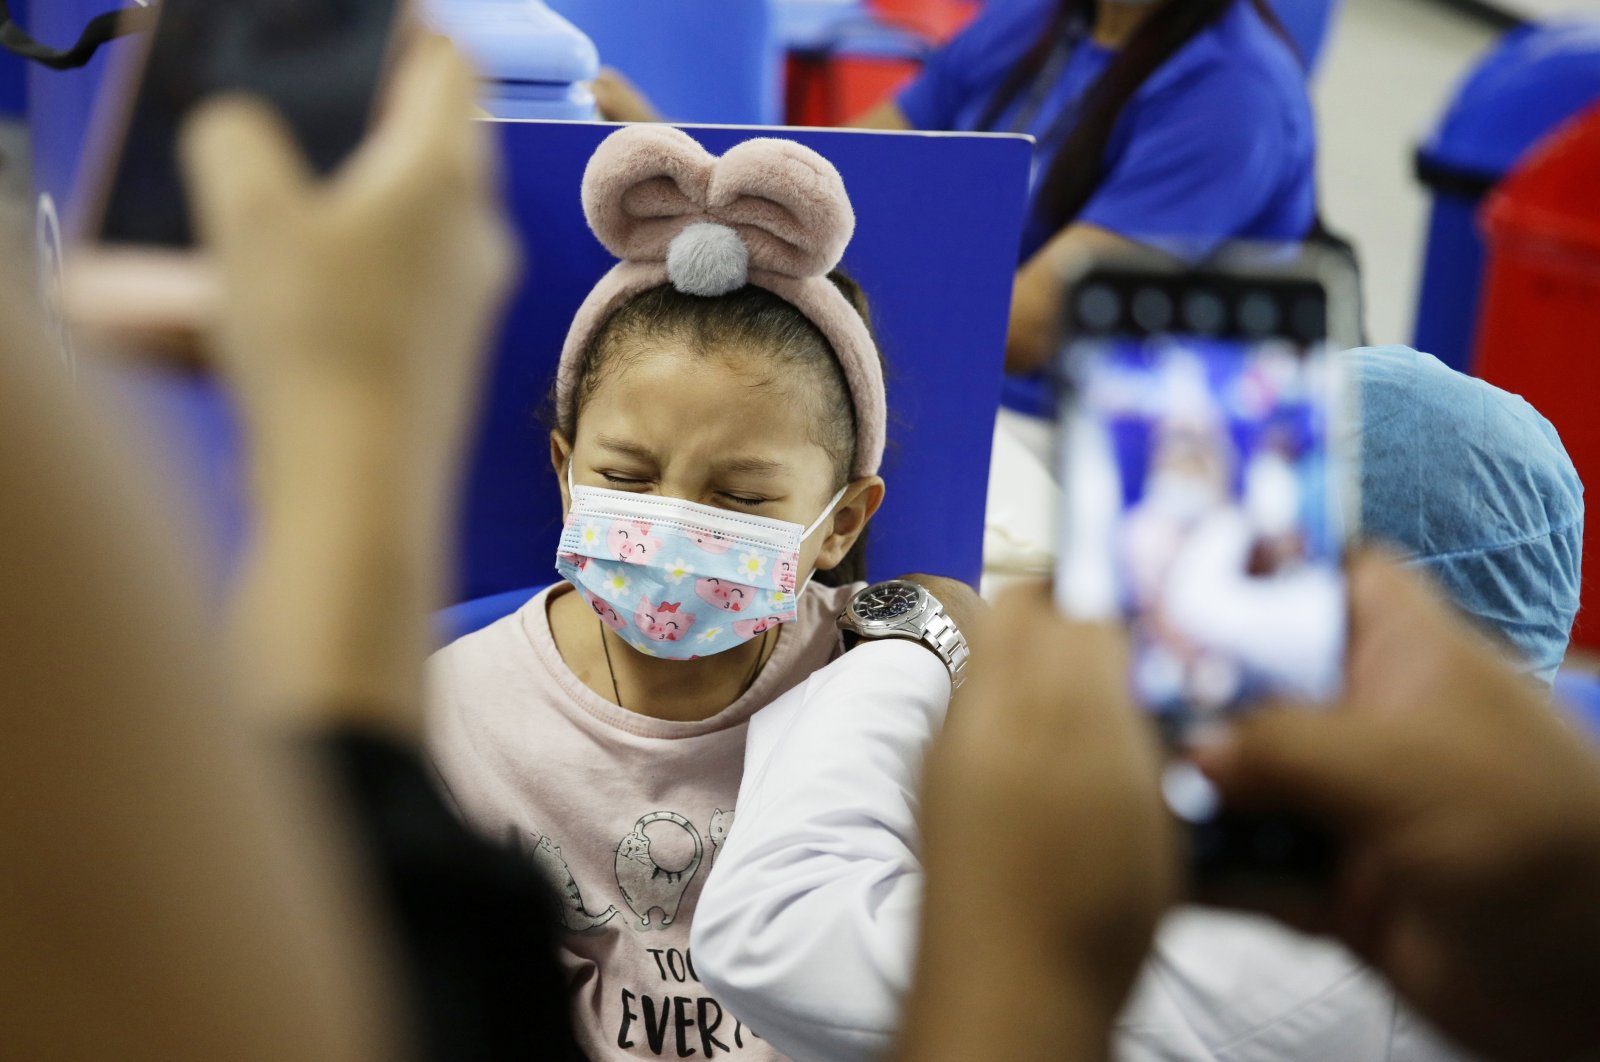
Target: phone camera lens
x: 1258, y: 314
x: 1205, y: 313
x: 1152, y: 310
x: 1309, y: 319
x: 1099, y: 308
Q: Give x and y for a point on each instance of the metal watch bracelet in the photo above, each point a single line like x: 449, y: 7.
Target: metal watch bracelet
x: 943, y: 636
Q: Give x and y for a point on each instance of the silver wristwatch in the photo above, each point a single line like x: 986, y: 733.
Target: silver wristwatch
x: 898, y: 609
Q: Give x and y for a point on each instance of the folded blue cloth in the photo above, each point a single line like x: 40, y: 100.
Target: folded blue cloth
x: 1474, y: 486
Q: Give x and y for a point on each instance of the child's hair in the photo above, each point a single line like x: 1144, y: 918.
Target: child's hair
x: 750, y: 319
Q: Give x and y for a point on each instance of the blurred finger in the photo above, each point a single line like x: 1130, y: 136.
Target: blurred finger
x: 1307, y: 910
x: 427, y: 119
x: 1393, y: 612
x: 243, y: 171
x: 1044, y: 660
x: 1334, y: 766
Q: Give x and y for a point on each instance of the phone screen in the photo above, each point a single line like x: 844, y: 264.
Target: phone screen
x: 1201, y: 472
x: 317, y: 62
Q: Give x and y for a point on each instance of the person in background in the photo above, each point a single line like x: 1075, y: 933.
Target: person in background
x: 807, y: 927
x: 1179, y: 124
x: 1467, y: 811
x: 241, y: 855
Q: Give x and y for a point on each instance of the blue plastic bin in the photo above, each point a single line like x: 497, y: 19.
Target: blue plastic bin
x: 535, y: 64
x: 696, y: 60
x: 1530, y: 82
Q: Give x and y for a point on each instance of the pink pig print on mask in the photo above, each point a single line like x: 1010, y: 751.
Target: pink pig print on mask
x: 788, y: 571
x: 663, y: 622
x: 710, y: 541
x: 641, y: 554
x: 748, y: 629
x: 725, y: 594
x: 607, y: 614
x: 631, y: 541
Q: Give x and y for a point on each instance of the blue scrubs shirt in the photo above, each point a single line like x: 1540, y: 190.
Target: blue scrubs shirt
x: 1217, y: 144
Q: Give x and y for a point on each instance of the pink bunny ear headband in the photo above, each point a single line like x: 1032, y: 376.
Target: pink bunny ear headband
x: 769, y: 212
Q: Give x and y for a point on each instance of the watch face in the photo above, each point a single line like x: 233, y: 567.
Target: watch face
x: 887, y: 603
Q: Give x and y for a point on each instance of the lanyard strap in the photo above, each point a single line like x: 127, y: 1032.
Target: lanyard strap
x: 98, y: 31
x: 1040, y: 89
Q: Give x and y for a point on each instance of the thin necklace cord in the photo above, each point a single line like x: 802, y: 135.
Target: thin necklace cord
x: 750, y: 679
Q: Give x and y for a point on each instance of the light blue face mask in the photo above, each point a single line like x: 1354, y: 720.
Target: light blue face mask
x: 677, y: 579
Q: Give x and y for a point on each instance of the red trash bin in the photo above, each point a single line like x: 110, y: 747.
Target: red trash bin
x: 1539, y: 329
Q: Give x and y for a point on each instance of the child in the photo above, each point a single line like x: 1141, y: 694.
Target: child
x: 720, y: 420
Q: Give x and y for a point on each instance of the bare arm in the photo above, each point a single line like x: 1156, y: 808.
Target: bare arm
x: 170, y: 892
x: 357, y: 315
x: 1036, y: 295
x: 166, y: 893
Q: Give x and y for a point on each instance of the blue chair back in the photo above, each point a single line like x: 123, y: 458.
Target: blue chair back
x: 938, y: 220
x: 1534, y: 79
x: 696, y: 60
x: 460, y: 620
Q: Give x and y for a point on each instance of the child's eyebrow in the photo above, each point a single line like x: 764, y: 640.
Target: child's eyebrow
x: 623, y: 447
x: 752, y: 465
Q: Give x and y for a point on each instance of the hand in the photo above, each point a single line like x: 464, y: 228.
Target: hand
x: 1470, y: 817
x: 371, y: 294
x: 961, y: 603
x: 356, y: 313
x: 1049, y: 854
x: 619, y: 100
x: 1034, y: 330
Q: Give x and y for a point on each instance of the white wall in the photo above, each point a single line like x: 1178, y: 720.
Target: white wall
x: 1387, y: 74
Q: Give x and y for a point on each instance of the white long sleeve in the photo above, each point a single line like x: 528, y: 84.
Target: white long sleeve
x: 806, y: 930
x: 807, y: 925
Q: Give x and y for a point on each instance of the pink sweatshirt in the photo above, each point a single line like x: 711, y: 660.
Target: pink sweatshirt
x: 623, y: 813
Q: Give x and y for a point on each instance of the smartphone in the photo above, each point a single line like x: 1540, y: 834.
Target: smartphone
x: 1207, y: 457
x: 319, y: 63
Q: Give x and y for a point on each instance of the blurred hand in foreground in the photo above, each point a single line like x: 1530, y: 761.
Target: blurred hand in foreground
x: 380, y: 284
x: 619, y: 100
x: 1469, y: 812
x: 1049, y: 854
x: 356, y: 314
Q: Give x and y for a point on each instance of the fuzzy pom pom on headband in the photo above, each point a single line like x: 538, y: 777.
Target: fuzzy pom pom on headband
x: 770, y: 212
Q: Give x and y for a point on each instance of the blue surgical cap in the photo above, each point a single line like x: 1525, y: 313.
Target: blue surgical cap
x: 1474, y: 486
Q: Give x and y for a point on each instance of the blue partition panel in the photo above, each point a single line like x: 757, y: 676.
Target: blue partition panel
x: 938, y: 220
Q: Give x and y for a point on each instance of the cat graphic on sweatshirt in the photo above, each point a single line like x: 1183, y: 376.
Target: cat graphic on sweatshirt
x: 547, y: 859
x: 721, y: 823
x: 645, y: 884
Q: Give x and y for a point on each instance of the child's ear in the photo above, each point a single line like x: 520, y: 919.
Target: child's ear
x: 861, y: 499
x: 560, y: 457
